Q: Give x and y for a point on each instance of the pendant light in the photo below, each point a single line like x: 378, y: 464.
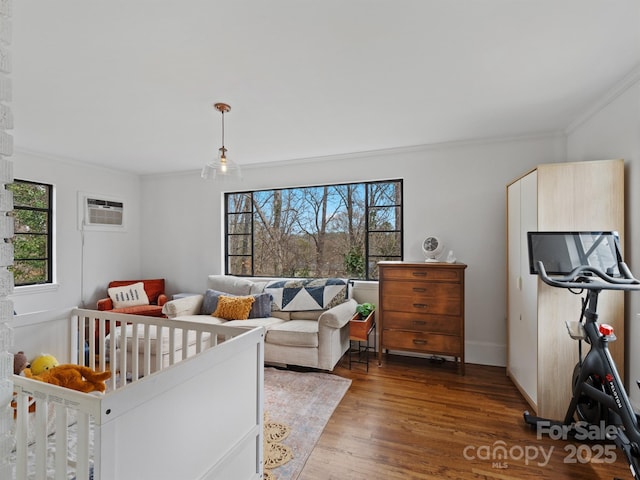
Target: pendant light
x: 222, y: 167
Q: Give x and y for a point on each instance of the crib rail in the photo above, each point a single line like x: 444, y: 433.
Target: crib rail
x: 150, y: 343
x: 132, y: 347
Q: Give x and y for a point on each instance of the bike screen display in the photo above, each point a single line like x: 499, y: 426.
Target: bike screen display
x: 561, y: 252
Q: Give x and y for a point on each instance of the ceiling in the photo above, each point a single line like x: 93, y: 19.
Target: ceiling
x: 130, y: 83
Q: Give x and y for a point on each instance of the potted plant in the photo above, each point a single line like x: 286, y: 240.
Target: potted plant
x: 365, y: 309
x: 362, y: 321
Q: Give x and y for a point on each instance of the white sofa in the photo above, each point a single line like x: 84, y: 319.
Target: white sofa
x: 297, y: 331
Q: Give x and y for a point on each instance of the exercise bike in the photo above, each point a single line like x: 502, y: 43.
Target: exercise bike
x: 590, y: 262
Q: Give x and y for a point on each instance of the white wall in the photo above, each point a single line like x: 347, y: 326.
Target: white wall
x: 455, y: 191
x: 612, y: 130
x: 107, y: 255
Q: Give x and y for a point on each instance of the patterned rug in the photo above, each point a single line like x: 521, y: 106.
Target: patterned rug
x: 275, y: 453
x: 304, y: 402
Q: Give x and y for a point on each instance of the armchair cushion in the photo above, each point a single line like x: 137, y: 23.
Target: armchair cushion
x: 128, y: 296
x: 153, y: 288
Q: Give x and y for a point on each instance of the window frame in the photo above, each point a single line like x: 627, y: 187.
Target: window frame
x: 49, y: 211
x: 370, y: 268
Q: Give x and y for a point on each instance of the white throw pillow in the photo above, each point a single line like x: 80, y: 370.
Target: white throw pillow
x: 128, y: 296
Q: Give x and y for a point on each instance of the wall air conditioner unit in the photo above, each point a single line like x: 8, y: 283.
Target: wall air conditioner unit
x: 99, y: 212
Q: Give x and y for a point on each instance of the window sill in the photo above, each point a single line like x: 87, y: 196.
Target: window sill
x: 31, y: 289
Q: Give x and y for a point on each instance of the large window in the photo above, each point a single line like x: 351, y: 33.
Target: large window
x: 32, y: 241
x: 321, y: 231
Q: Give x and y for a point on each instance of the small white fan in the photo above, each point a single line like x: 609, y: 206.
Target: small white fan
x: 432, y: 248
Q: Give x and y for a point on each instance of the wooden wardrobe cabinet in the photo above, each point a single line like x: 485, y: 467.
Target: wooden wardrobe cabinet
x: 577, y: 196
x: 421, y: 308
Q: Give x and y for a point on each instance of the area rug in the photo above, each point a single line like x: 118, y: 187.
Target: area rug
x: 304, y: 401
x: 276, y: 453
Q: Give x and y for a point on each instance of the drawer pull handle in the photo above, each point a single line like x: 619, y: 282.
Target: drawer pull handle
x: 419, y: 274
x: 420, y: 305
x: 419, y: 342
x: 417, y: 289
x: 419, y: 322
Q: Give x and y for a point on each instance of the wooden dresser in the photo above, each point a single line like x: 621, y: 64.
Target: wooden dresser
x: 421, y: 308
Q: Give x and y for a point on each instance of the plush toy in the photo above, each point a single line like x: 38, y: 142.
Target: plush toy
x: 41, y: 364
x: 20, y: 362
x: 76, y: 377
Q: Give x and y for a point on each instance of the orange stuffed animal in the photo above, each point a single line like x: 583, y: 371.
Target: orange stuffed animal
x: 76, y: 377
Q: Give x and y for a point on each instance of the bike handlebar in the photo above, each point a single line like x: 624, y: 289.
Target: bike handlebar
x: 592, y: 278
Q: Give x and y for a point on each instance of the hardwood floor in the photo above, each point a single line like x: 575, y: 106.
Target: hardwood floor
x: 414, y: 419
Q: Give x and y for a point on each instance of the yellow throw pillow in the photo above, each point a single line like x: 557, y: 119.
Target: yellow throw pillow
x: 233, y: 308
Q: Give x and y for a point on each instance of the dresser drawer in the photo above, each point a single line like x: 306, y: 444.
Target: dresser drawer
x: 429, y: 274
x: 422, y: 323
x: 422, y: 304
x: 423, y: 290
x: 426, y: 342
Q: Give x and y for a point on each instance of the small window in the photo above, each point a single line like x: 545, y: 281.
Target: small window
x: 317, y: 231
x: 32, y: 241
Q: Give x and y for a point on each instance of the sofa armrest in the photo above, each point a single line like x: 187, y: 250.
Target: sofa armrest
x: 183, y: 306
x: 339, y: 316
x: 162, y: 299
x: 105, y: 304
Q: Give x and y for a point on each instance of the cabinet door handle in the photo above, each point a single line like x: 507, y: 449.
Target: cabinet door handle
x: 419, y: 322
x: 417, y: 341
x: 419, y: 274
x: 419, y: 289
x: 420, y: 305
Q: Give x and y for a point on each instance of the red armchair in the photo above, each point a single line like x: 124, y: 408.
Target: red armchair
x: 154, y: 289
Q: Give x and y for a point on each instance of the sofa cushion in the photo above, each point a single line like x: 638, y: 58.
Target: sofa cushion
x: 268, y: 322
x: 229, y: 284
x: 210, y: 301
x: 304, y: 294
x: 233, y: 308
x: 128, y: 295
x: 148, y: 310
x: 261, y: 307
x: 294, y: 333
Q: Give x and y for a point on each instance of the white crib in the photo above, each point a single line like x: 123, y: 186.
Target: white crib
x: 190, y: 406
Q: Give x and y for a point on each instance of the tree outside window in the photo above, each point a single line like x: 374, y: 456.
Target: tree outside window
x: 320, y: 231
x: 32, y: 211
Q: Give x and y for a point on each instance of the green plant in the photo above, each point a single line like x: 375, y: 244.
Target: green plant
x: 365, y: 309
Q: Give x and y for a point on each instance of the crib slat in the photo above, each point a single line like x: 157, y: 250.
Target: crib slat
x: 147, y: 350
x: 172, y: 345
x: 113, y: 360
x: 198, y: 341
x: 22, y: 406
x: 159, y: 351
x: 78, y: 355
x: 61, y: 440
x: 82, y: 472
x: 185, y: 343
x: 42, y: 408
x: 135, y: 350
x: 102, y: 345
x: 122, y: 355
